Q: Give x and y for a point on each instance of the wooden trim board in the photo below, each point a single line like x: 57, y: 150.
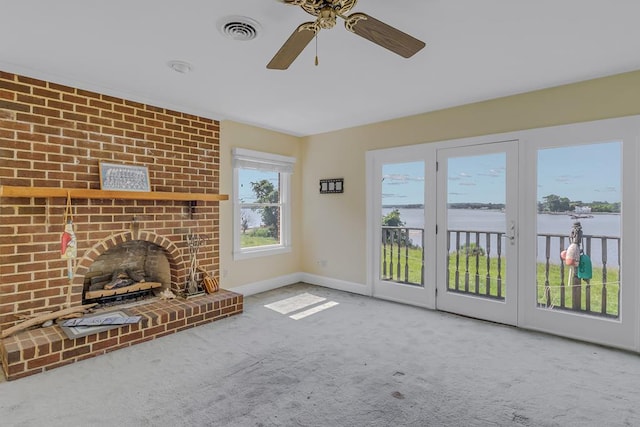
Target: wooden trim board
x: 79, y: 193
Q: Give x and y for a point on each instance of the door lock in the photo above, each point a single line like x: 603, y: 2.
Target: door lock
x: 511, y: 232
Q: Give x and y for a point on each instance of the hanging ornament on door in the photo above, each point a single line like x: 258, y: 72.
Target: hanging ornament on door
x: 68, y: 241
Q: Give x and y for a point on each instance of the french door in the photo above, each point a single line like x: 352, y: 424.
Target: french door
x: 500, y: 213
x: 477, y: 231
x: 401, y: 227
x: 586, y: 182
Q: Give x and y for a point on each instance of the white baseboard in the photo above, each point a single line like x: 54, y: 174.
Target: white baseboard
x: 289, y: 279
x: 268, y: 284
x: 341, y: 285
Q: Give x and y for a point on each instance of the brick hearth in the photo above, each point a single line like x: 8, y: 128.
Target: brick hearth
x: 37, y: 350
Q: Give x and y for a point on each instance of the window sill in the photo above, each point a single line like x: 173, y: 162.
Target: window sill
x: 260, y: 252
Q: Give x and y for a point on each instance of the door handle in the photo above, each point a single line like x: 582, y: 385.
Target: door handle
x: 511, y: 232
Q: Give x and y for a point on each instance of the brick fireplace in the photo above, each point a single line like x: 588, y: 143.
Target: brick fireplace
x: 55, y: 136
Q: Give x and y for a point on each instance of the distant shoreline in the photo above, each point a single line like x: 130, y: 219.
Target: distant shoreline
x: 416, y: 206
x: 483, y: 209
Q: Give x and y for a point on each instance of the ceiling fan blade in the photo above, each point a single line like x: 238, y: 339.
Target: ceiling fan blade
x: 383, y: 35
x: 294, y: 45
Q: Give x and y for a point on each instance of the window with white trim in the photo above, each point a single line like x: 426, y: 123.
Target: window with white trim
x: 262, y: 210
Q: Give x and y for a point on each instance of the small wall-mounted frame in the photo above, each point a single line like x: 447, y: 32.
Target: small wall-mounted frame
x: 333, y: 185
x: 124, y: 177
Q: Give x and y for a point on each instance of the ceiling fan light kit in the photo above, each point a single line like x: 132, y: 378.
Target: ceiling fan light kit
x: 361, y: 24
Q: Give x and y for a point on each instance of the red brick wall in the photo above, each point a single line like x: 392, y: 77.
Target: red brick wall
x: 55, y: 136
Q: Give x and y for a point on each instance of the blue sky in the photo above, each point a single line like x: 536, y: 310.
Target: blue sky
x: 247, y: 176
x: 587, y: 173
x: 403, y: 183
x: 477, y: 179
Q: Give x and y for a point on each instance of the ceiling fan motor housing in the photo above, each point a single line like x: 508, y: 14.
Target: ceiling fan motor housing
x: 327, y: 18
x: 338, y: 7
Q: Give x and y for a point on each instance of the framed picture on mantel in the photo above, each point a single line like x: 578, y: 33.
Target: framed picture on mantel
x: 115, y: 177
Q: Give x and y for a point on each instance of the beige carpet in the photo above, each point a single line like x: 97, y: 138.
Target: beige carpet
x: 360, y: 362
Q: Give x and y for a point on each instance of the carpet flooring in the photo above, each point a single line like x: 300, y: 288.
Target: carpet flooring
x: 320, y: 357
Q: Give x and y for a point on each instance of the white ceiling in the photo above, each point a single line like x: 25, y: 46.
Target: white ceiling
x: 476, y: 50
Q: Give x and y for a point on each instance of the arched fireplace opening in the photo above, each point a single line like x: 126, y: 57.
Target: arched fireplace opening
x: 130, y: 270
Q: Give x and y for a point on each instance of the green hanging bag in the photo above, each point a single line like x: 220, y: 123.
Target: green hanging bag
x: 585, y: 270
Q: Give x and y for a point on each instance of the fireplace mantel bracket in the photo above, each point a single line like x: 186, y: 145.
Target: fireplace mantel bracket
x: 79, y: 193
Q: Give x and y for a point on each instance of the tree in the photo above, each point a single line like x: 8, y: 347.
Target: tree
x: 555, y: 203
x: 244, y: 222
x: 266, y: 193
x: 597, y: 206
x: 471, y: 249
x: 392, y: 219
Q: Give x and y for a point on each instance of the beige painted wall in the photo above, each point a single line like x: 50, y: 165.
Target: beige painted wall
x: 236, y: 273
x: 334, y: 226
x: 329, y: 231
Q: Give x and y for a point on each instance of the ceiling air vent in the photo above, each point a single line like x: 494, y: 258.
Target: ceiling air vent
x: 239, y: 28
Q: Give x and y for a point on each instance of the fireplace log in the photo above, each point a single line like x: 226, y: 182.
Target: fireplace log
x: 119, y: 283
x: 43, y: 318
x: 71, y: 316
x: 89, y: 295
x: 31, y: 316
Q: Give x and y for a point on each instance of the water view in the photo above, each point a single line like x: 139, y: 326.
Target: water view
x: 571, y: 186
x: 557, y: 224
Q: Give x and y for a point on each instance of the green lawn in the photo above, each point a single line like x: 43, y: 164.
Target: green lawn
x: 414, y: 263
x: 555, y: 289
x: 478, y: 274
x: 611, y: 290
x: 257, y: 237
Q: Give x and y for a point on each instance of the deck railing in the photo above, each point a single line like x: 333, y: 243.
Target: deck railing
x: 403, y: 255
x: 477, y: 266
x: 600, y: 295
x: 476, y: 263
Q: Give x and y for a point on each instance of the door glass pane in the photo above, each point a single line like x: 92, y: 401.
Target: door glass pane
x: 476, y: 241
x: 402, y: 248
x: 579, y: 188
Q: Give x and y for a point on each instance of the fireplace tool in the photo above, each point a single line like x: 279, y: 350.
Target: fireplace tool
x: 193, y: 241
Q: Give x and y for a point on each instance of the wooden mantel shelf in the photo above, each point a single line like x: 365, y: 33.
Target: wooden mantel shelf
x: 77, y: 193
